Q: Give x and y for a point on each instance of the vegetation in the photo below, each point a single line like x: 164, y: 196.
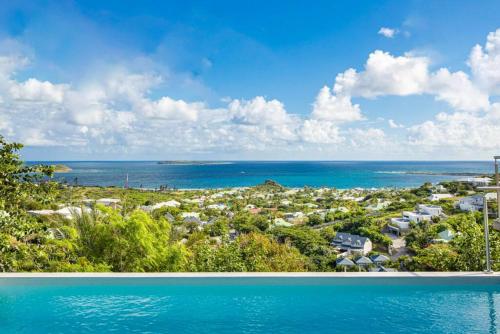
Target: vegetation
x: 263, y: 228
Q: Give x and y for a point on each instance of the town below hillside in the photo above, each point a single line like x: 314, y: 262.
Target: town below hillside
x: 56, y: 227
x: 273, y: 228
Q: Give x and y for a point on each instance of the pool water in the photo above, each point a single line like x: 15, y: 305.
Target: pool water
x: 246, y: 306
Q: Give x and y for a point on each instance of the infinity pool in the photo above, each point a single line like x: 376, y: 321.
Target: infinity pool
x: 249, y: 305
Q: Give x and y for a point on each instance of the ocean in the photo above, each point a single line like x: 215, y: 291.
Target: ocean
x: 338, y: 174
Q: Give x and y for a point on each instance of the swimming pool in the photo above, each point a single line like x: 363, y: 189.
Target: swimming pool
x: 258, y: 303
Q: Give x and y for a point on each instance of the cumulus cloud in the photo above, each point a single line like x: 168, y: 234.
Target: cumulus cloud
x: 35, y: 90
x: 259, y: 111
x: 385, y: 74
x: 394, y: 125
x: 388, y: 32
x: 460, y: 130
x: 321, y: 132
x: 335, y: 108
x: 121, y: 111
x: 485, y: 63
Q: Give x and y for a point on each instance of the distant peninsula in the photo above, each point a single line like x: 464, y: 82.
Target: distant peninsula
x: 193, y: 162
x: 59, y: 168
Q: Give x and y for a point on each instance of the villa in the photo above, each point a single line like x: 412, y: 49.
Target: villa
x: 352, y: 243
x: 293, y: 216
x: 218, y: 206
x: 476, y: 181
x: 168, y: 204
x: 471, y: 203
x: 424, y: 212
x: 474, y: 202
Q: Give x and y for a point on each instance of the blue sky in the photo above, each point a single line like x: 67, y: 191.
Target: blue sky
x: 242, y: 80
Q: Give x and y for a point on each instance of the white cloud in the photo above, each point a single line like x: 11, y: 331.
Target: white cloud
x: 38, y: 91
x: 394, y: 125
x: 385, y: 74
x: 388, y: 32
x: 456, y: 89
x: 460, y: 130
x: 367, y: 138
x: 259, y: 111
x: 320, y: 132
x: 170, y: 109
x: 335, y: 108
x: 485, y: 63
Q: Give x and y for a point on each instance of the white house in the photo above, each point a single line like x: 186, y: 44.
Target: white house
x: 476, y: 181
x: 292, y: 216
x: 218, y: 206
x: 168, y: 204
x: 438, y: 197
x: 352, y: 243
x: 471, y: 203
x: 416, y: 217
x: 432, y: 210
x: 399, y: 225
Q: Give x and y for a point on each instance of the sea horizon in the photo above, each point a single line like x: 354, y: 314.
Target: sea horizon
x: 204, y: 174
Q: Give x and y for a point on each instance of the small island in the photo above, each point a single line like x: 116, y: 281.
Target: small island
x: 192, y: 162
x: 59, y: 168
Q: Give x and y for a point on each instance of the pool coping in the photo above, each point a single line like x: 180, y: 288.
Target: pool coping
x: 475, y: 274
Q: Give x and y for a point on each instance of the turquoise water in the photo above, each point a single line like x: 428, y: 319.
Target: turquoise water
x: 340, y: 174
x: 236, y: 306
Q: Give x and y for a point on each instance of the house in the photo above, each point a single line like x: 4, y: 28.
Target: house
x: 363, y: 261
x: 431, y: 210
x: 399, y: 225
x: 471, y: 203
x: 416, y: 217
x: 379, y: 259
x: 344, y: 262
x: 191, y: 217
x: 218, y: 206
x: 438, y: 197
x: 380, y: 205
x: 474, y: 202
x: 168, y: 204
x: 352, y: 243
x: 293, y: 216
x: 476, y: 181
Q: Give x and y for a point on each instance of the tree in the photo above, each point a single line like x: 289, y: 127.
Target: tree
x: 135, y: 243
x: 437, y: 257
x: 249, y: 252
x: 20, y: 183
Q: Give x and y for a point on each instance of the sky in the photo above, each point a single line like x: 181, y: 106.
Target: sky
x: 251, y: 80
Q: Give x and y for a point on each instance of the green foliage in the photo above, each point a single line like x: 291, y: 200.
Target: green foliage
x: 134, y: 243
x: 249, y: 252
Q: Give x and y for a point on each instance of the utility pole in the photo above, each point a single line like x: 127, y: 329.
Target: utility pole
x: 497, y: 182
x: 486, y: 227
x: 486, y: 234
